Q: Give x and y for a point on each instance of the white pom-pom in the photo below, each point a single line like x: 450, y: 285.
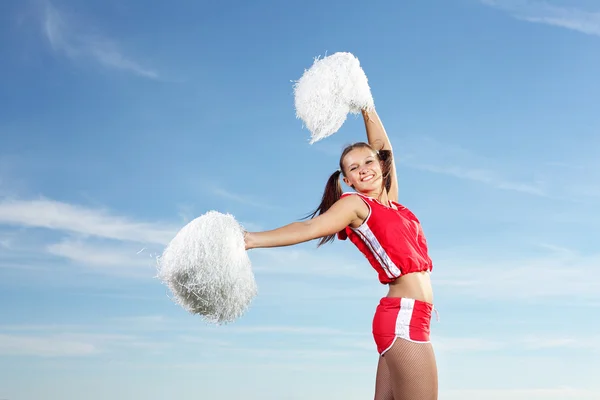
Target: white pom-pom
x: 330, y: 89
x: 207, y: 268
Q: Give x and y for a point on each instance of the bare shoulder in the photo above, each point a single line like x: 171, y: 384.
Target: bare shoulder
x: 357, y: 204
x: 343, y: 212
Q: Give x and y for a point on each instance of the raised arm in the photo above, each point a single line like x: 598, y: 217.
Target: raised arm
x: 341, y: 214
x: 378, y: 139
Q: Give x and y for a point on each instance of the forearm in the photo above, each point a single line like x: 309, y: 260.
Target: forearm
x: 376, y: 134
x: 294, y: 233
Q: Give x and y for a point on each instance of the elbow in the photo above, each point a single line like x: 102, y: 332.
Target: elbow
x: 309, y: 231
x: 318, y: 230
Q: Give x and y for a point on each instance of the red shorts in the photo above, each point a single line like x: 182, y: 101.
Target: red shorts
x: 404, y: 318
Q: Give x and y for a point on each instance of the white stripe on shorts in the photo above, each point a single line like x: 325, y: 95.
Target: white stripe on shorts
x: 404, y: 316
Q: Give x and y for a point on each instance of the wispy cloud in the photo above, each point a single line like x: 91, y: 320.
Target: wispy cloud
x: 146, y: 323
x: 135, y: 323
x: 120, y: 337
x: 289, y: 330
x: 307, y: 262
x: 545, y: 342
x: 143, y: 320
x: 114, y: 259
x: 6, y: 241
x: 487, y: 177
x: 556, y: 393
x: 430, y: 155
x: 239, y: 198
x: 544, y: 13
x: 551, y: 393
x: 50, y: 346
x: 60, y: 216
x: 41, y: 232
x: 556, y: 180
x: 466, y: 344
x: 540, y: 277
x: 70, y: 340
x: 277, y: 353
x: 65, y: 36
x: 523, y: 343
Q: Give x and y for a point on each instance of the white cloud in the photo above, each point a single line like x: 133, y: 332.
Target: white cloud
x: 430, y: 155
x: 315, y: 262
x: 95, y: 255
x: 545, y: 342
x: 112, y: 259
x: 116, y: 324
x: 563, y: 273
x: 466, y: 344
x: 51, y: 346
x: 55, y: 215
x: 95, y: 237
x: 159, y: 322
x: 64, y: 37
x: 522, y: 343
x: 70, y: 340
x: 6, y: 242
x: 281, y: 354
x: 483, y: 273
x: 289, y: 330
x: 204, y: 341
x: 238, y: 198
x: 487, y: 177
x: 39, y: 327
x: 544, y: 13
x: 144, y: 320
x: 558, y: 180
x: 559, y: 393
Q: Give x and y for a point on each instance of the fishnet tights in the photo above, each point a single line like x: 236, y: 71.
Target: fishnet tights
x: 407, y: 371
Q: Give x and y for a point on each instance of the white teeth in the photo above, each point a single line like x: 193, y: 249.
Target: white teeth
x: 368, y: 178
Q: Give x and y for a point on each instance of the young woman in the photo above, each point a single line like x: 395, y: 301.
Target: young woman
x: 391, y: 238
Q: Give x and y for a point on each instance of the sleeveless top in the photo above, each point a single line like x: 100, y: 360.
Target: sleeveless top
x: 391, y: 238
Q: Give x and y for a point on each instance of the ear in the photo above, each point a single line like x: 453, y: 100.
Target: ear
x: 347, y: 182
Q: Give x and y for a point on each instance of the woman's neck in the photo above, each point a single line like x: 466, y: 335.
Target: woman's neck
x: 382, y: 196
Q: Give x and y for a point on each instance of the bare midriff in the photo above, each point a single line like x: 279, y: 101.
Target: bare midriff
x: 416, y: 285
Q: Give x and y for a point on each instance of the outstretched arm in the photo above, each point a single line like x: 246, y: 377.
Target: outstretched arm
x: 378, y: 138
x: 341, y: 214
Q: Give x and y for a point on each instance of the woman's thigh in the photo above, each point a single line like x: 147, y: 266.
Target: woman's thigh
x: 413, y: 370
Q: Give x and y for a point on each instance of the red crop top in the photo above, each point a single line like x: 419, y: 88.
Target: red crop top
x: 391, y: 238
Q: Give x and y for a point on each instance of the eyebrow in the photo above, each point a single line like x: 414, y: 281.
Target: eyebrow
x: 353, y: 164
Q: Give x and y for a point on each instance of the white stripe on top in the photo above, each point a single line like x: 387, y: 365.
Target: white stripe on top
x: 391, y: 270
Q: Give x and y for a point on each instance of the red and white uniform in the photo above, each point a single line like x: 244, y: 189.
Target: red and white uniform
x: 392, y: 239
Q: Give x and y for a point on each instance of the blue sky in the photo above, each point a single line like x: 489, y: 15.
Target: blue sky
x: 121, y: 121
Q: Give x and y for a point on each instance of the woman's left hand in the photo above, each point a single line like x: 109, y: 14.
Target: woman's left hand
x: 248, y: 240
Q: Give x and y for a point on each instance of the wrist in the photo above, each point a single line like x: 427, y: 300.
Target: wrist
x: 249, y: 240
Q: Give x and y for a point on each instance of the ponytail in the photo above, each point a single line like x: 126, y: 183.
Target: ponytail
x: 331, y: 194
x: 386, y: 157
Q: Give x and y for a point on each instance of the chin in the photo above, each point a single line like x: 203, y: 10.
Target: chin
x: 368, y: 189
x: 371, y: 186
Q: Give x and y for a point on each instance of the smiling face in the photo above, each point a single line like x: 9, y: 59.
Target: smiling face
x: 363, y: 171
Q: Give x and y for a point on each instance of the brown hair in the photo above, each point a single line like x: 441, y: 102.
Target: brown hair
x: 333, y: 188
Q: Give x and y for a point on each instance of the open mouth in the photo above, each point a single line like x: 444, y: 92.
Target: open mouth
x: 367, y: 178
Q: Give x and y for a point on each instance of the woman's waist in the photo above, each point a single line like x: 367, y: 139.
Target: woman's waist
x: 415, y: 285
